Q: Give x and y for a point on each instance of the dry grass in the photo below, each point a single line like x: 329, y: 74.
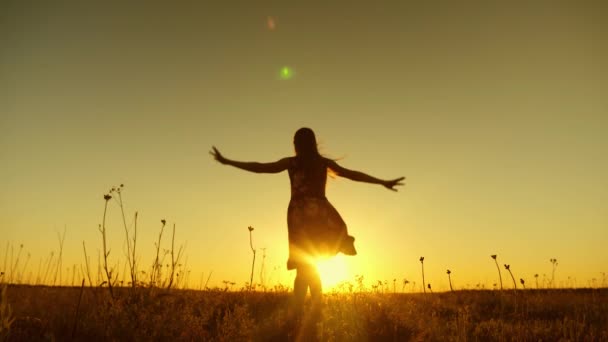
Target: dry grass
x: 151, y: 307
x: 44, y: 313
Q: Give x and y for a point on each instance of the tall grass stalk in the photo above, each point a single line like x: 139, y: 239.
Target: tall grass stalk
x: 77, y: 314
x: 200, y: 284
x: 156, y: 266
x: 253, y: 262
x: 37, y: 281
x: 86, y: 263
x: 554, y: 263
x: 208, y: 278
x: 494, y: 256
x: 450, y: 279
x: 422, y: 264
x: 115, y: 273
x: 74, y: 273
x: 124, y: 273
x: 508, y: 268
x: 262, y: 270
x: 181, y: 274
x: 21, y: 274
x: 14, y: 266
x: 11, y: 263
x: 61, y: 239
x: 99, y: 273
x: 174, y: 259
x: 133, y: 258
x: 48, y: 267
x: 185, y: 273
x: 130, y: 243
x: 106, y: 252
x: 4, y: 269
x: 14, y: 277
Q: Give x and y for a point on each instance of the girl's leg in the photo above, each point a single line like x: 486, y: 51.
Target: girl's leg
x: 316, y: 288
x: 300, y: 286
x: 307, y: 276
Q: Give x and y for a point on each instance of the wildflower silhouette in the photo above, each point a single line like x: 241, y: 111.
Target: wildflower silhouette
x: 494, y: 256
x: 315, y: 228
x: 508, y: 268
x: 253, y: 262
x: 422, y: 263
x: 106, y: 252
x: 554, y: 263
x: 450, y: 279
x: 536, y: 278
x: 157, y: 266
x: 523, y: 283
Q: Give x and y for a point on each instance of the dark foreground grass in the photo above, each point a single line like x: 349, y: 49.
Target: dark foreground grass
x: 49, y: 313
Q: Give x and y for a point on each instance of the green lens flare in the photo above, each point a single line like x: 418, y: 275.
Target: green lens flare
x: 286, y: 73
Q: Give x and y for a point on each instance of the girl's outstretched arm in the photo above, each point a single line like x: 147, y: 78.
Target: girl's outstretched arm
x: 274, y: 167
x: 362, y: 177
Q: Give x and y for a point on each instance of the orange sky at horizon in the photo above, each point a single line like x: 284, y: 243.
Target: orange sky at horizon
x: 495, y: 113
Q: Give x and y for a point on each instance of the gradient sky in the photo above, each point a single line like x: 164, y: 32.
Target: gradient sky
x: 496, y: 114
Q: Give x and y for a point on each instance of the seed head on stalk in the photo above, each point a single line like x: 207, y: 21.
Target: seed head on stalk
x: 508, y: 267
x: 450, y: 279
x: 422, y: 263
x: 554, y: 263
x: 253, y: 262
x: 494, y: 256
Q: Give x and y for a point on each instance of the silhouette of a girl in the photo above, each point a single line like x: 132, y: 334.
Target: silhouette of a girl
x: 315, y: 228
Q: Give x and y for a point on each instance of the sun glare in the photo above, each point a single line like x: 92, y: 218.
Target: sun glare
x: 333, y: 271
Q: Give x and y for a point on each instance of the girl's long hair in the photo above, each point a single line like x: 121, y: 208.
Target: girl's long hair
x: 307, y: 153
x: 305, y: 144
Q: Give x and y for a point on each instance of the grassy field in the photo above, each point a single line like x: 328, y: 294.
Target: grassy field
x: 143, y: 314
x: 156, y: 307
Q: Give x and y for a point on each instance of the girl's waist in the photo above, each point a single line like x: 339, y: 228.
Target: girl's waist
x: 307, y: 196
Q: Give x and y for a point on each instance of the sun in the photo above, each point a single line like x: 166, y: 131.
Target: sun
x: 333, y: 271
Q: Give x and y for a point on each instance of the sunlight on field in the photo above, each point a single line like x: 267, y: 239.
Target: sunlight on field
x: 333, y: 271
x: 49, y: 313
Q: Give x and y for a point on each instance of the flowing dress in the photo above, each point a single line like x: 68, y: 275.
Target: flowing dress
x: 315, y: 228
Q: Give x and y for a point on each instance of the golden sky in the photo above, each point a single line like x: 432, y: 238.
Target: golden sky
x: 496, y: 114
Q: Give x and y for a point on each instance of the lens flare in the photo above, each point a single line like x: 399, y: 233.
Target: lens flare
x: 271, y: 23
x: 286, y: 73
x: 333, y: 271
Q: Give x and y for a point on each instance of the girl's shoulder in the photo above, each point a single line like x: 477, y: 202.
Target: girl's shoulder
x: 297, y: 164
x: 320, y: 160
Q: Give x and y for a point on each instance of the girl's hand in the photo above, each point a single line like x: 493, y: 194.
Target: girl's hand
x: 390, y: 184
x: 217, y: 155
